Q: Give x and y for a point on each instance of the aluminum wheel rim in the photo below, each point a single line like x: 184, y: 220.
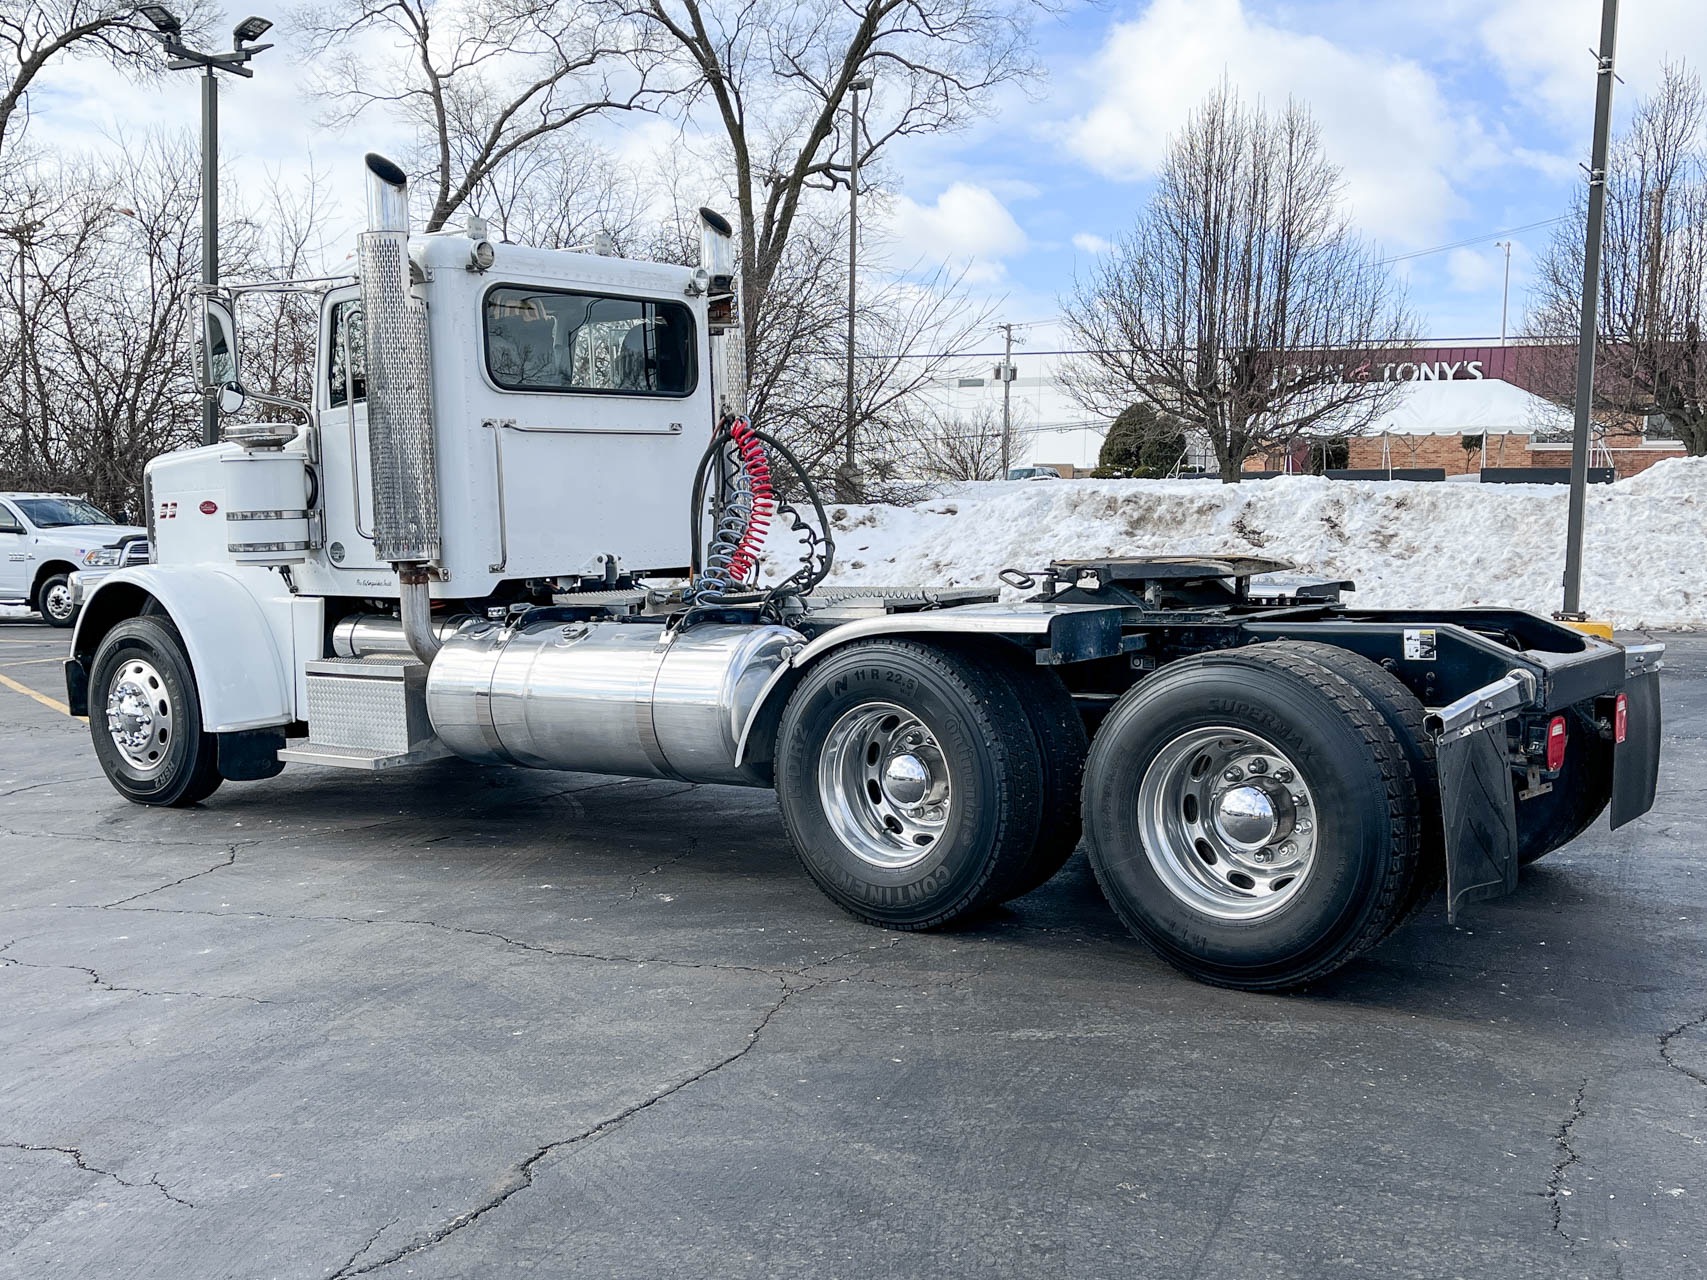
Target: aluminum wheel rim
x: 884, y: 785
x: 1228, y: 823
x: 56, y: 603
x: 139, y: 715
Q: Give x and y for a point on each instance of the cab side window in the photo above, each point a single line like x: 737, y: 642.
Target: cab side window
x: 9, y: 522
x: 347, y: 374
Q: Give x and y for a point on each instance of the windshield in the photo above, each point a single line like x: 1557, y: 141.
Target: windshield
x: 58, y: 513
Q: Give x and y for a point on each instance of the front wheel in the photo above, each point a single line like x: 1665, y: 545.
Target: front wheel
x: 145, y: 717
x: 54, y: 600
x: 1252, y: 816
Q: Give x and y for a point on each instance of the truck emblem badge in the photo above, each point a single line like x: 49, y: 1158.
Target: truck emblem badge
x: 336, y: 551
x: 209, y: 506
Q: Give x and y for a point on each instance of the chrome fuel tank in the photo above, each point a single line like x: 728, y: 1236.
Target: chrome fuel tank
x: 629, y: 698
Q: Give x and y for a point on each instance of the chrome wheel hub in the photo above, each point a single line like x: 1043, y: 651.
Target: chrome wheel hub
x: 884, y: 785
x: 1228, y: 823
x: 139, y: 715
x: 56, y: 603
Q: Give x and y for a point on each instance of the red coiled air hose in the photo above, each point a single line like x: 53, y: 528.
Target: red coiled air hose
x: 751, y: 453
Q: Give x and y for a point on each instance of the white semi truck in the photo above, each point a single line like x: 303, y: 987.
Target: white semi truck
x: 522, y: 524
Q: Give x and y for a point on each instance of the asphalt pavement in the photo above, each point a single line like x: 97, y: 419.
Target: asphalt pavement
x: 460, y: 1022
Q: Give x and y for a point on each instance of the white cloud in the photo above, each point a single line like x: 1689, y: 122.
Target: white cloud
x: 1542, y: 48
x: 967, y: 227
x: 1085, y: 242
x: 1384, y: 120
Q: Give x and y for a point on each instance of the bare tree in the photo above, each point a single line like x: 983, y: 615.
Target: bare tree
x: 956, y: 444
x: 111, y: 263
x: 778, y: 75
x: 35, y: 33
x: 561, y: 192
x: 1241, y: 302
x: 481, y: 84
x: 1649, y: 358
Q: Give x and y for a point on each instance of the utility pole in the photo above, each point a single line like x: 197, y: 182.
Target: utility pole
x: 850, y: 468
x: 1590, y: 315
x: 1007, y: 387
x: 180, y: 57
x: 1505, y: 295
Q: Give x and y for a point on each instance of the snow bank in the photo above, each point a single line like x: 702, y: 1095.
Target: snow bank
x: 1409, y: 545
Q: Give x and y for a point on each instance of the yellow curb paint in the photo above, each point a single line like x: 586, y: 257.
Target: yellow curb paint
x: 50, y: 703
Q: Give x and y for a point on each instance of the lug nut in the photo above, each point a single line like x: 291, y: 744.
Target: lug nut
x: 1288, y: 849
x: 1235, y: 774
x: 1259, y: 765
x: 1304, y: 825
x: 1283, y: 775
x: 1264, y: 855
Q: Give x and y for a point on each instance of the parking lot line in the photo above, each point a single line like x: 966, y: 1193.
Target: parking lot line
x: 42, y: 698
x: 29, y: 662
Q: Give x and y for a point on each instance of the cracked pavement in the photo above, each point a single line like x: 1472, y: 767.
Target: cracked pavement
x: 456, y: 1022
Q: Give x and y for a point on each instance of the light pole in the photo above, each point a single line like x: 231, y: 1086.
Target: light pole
x: 20, y: 235
x: 180, y: 57
x: 850, y: 467
x: 1505, y: 295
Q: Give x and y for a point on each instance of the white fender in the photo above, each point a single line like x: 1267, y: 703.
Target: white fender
x: 243, y: 681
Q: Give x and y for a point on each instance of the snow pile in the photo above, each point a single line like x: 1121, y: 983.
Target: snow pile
x: 1405, y: 545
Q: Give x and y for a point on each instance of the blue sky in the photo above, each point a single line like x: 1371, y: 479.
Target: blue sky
x: 1453, y: 121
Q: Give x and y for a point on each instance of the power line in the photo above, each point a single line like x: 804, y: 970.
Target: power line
x: 1461, y: 244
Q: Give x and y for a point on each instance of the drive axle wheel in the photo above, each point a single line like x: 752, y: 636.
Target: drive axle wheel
x: 908, y: 783
x: 1252, y: 816
x: 145, y: 717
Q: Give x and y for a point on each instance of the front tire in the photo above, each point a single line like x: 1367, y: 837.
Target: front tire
x: 1252, y: 816
x: 54, y: 601
x: 909, y: 782
x: 145, y: 717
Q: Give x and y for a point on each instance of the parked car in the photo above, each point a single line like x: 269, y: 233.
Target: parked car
x: 1033, y: 473
x: 46, y: 538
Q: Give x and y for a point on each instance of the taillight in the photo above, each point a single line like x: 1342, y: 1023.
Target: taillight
x: 1621, y: 718
x: 1555, y: 744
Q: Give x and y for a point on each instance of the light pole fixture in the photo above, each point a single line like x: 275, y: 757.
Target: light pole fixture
x: 849, y: 466
x: 1505, y: 294
x: 180, y: 57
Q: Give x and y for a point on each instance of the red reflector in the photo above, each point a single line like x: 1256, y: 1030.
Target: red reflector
x: 1621, y: 718
x: 1555, y: 744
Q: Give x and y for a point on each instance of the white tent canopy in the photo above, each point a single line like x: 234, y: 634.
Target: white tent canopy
x: 1468, y: 407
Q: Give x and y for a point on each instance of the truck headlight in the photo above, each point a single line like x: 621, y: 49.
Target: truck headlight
x: 102, y: 558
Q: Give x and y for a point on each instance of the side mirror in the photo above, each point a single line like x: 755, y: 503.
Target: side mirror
x: 231, y: 398
x: 216, y: 370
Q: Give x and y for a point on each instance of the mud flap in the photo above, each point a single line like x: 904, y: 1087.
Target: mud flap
x: 1636, y: 760
x: 1479, y: 817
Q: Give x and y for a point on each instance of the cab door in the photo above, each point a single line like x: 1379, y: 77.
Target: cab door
x: 347, y: 477
x: 15, y: 544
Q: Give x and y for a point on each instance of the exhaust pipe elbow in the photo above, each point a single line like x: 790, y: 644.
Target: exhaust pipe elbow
x: 415, y: 605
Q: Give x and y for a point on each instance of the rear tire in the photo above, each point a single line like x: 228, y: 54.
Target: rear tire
x: 1062, y: 744
x: 1252, y: 817
x: 1404, y: 714
x: 145, y: 717
x: 54, y: 601
x: 909, y: 782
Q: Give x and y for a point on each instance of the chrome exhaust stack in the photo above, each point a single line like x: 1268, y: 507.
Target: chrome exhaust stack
x: 400, y: 408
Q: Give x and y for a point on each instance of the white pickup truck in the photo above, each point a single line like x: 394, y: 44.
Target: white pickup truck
x: 45, y: 538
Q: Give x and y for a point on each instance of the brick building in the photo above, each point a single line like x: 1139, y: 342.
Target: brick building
x: 1469, y: 407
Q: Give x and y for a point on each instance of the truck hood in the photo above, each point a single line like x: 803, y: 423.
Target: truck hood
x: 90, y: 536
